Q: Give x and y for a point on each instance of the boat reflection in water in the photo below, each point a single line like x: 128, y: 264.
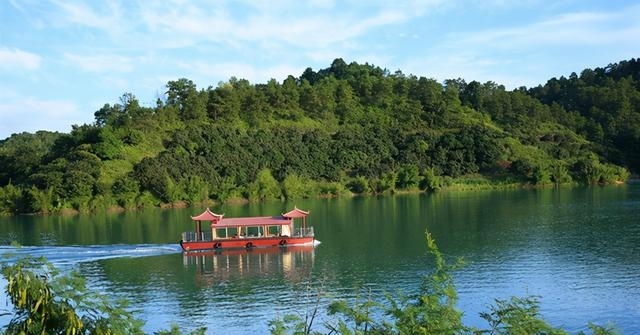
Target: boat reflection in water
x: 212, y: 267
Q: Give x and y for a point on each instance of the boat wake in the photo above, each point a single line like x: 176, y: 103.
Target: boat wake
x: 66, y: 255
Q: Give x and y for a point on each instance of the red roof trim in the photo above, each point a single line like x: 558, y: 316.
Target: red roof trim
x: 295, y: 213
x: 253, y: 221
x: 221, y: 222
x: 207, y: 215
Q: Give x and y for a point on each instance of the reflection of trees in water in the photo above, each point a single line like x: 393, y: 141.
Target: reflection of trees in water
x: 294, y: 263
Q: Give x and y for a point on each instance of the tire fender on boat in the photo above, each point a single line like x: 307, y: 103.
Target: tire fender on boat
x: 283, y: 242
x: 249, y: 245
x: 217, y: 245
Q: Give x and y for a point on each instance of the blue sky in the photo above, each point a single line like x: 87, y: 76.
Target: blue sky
x: 60, y: 61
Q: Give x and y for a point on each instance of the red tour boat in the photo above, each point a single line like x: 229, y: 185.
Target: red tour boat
x: 247, y: 232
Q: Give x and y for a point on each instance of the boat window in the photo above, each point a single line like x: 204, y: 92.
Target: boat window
x: 233, y: 232
x: 273, y: 230
x: 253, y: 231
x: 221, y: 232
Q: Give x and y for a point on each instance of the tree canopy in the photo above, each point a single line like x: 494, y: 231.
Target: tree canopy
x: 349, y: 128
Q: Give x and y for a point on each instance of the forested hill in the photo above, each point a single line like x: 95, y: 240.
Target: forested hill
x: 349, y: 128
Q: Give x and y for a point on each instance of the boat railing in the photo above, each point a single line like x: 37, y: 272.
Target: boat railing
x: 304, y: 232
x: 191, y: 236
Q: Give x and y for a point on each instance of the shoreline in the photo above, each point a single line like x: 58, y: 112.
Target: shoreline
x: 481, y: 185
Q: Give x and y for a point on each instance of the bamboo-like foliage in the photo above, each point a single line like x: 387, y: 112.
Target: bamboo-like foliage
x: 44, y: 301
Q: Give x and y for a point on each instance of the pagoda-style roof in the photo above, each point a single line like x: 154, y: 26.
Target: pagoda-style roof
x: 253, y: 221
x: 295, y: 213
x: 207, y: 215
x: 220, y: 222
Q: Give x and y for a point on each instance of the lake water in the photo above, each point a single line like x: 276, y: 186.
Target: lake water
x: 578, y: 249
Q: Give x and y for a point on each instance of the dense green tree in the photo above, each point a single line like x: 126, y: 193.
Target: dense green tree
x: 125, y: 190
x: 39, y: 201
x: 408, y: 177
x: 78, y: 184
x: 265, y: 187
x: 109, y: 115
x: 603, y: 104
x: 358, y: 185
x: 333, y: 126
x: 296, y: 187
x: 383, y: 184
x: 192, y: 103
x: 430, y: 180
x: 587, y: 170
x: 11, y: 200
x: 110, y: 144
x: 21, y: 154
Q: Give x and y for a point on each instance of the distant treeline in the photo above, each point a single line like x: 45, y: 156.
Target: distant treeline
x: 346, y: 129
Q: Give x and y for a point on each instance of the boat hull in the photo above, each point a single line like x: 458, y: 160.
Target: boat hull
x: 246, y: 243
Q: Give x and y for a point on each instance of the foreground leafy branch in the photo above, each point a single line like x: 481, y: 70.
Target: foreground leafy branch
x: 46, y: 301
x: 430, y: 311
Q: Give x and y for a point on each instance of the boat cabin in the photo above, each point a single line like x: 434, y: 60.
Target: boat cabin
x: 247, y: 231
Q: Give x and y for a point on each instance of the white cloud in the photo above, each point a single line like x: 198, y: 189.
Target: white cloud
x: 297, y: 24
x: 317, y: 30
x: 108, y: 19
x: 10, y: 59
x: 324, y: 4
x: 531, y: 53
x: 30, y: 114
x: 569, y: 29
x: 101, y: 63
x: 181, y: 26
